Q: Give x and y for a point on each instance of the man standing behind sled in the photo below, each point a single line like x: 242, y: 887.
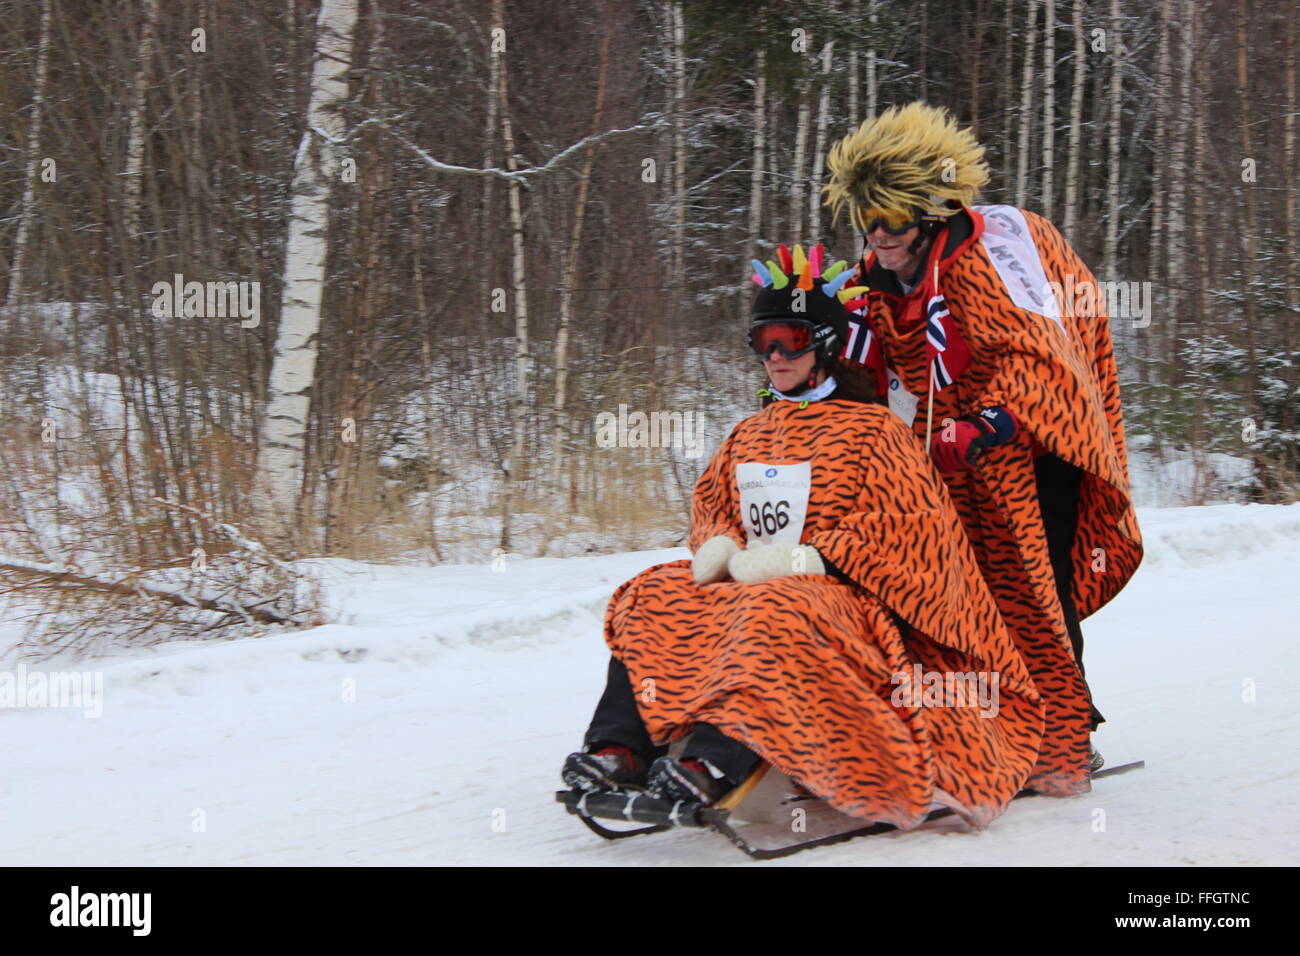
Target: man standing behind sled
x: 1016, y: 397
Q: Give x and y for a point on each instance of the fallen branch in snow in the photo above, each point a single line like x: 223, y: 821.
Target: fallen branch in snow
x: 238, y: 589
x: 133, y: 584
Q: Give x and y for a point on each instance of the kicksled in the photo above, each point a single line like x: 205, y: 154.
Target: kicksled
x: 760, y: 817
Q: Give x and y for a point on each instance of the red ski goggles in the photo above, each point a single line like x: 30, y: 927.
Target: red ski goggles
x: 794, y: 337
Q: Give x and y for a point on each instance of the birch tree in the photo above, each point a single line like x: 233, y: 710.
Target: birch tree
x: 571, y: 261
x: 679, y: 143
x: 1026, y: 108
x: 133, y: 174
x: 800, y: 158
x: 756, y: 179
x: 27, y: 210
x: 855, y: 17
x: 1248, y: 182
x: 1179, y: 202
x: 1115, y: 47
x: 1290, y: 317
x: 513, y: 467
x: 1159, y: 177
x: 819, y: 151
x: 872, y: 86
x: 284, y: 426
x: 977, y: 58
x: 1008, y: 90
x: 1049, y: 102
x: 1076, y: 125
x: 1203, y: 280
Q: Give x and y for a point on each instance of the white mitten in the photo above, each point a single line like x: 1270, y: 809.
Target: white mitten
x: 767, y: 561
x: 710, y: 562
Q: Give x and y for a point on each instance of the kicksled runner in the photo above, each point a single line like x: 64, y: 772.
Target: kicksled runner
x: 759, y: 817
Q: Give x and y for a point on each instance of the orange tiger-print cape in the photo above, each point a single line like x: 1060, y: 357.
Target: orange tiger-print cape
x: 1057, y: 376
x: 801, y: 669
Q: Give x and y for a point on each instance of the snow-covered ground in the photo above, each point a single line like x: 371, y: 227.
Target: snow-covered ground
x: 428, y: 725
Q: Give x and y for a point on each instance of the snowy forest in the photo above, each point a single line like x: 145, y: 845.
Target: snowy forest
x: 284, y: 279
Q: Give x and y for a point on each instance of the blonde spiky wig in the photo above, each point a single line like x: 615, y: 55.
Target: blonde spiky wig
x: 909, y: 157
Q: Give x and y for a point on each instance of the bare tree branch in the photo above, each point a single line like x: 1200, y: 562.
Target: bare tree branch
x: 521, y: 176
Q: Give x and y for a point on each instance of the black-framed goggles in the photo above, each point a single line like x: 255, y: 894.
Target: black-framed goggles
x: 895, y: 223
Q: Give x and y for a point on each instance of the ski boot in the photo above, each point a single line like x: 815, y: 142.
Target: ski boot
x: 613, y: 767
x: 687, y: 780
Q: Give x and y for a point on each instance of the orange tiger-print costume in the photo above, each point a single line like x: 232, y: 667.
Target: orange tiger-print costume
x: 1061, y: 385
x: 800, y: 669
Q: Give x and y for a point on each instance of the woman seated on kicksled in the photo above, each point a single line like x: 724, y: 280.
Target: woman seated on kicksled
x: 829, y: 568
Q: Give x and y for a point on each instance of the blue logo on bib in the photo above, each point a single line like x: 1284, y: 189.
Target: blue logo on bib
x: 770, y: 473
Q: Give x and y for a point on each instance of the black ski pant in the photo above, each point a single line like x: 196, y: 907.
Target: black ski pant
x: 617, y: 721
x: 1059, y: 484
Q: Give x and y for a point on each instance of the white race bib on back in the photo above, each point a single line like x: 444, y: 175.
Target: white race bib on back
x: 901, y: 402
x: 773, y: 500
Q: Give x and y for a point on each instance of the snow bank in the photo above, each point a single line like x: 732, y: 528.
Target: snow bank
x: 1199, y: 537
x: 428, y: 723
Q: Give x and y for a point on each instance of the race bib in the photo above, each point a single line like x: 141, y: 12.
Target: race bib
x: 773, y: 500
x: 1010, y: 246
x: 901, y: 402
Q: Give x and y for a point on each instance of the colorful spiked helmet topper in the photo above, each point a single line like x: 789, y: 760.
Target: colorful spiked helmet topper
x: 797, y: 287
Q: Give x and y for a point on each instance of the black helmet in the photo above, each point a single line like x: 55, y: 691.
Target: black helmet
x: 797, y: 292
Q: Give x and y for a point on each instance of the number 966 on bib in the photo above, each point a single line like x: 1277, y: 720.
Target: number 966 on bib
x: 773, y: 500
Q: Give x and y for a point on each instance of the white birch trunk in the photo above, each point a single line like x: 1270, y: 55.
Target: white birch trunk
x: 1115, y: 46
x: 134, y: 172
x: 1008, y: 72
x: 514, y: 466
x: 1289, y: 224
x: 27, y: 211
x: 800, y: 158
x: 1289, y: 172
x: 1026, y: 108
x: 872, y: 86
x: 855, y: 14
x: 772, y: 198
x: 1179, y: 212
x: 1049, y: 102
x: 819, y: 152
x: 679, y: 144
x: 1252, y: 226
x: 1159, y: 177
x: 1157, y: 266
x: 756, y: 174
x: 490, y: 133
x: 1076, y: 125
x: 1198, y: 217
x: 284, y: 427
